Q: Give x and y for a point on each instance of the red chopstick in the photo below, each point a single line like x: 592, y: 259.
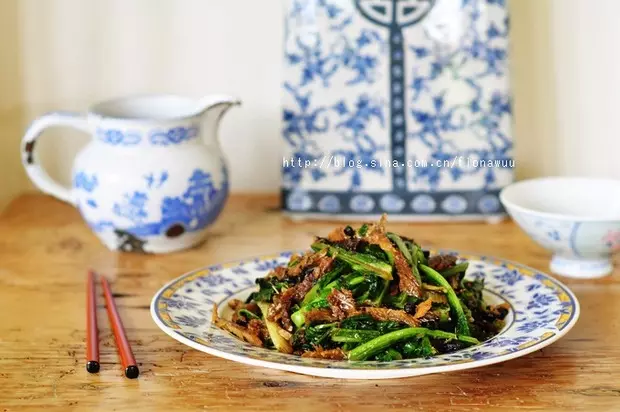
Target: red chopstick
x: 124, y: 349
x: 92, y: 335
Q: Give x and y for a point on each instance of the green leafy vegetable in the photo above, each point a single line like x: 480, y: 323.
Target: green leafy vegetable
x: 442, y: 312
x: 354, y: 335
x: 397, y: 301
x: 378, y: 300
x: 401, y: 246
x: 278, y: 340
x: 374, y: 250
x: 363, y: 230
x: 419, y: 348
x: 359, y: 303
x: 454, y: 270
x: 379, y: 344
x: 248, y: 315
x: 322, y: 283
x: 416, y: 257
x: 359, y: 322
x: 358, y: 261
x: 462, y: 326
x: 268, y: 287
x: 389, y: 355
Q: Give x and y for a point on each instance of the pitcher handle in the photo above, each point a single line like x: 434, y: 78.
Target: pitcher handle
x: 37, y: 174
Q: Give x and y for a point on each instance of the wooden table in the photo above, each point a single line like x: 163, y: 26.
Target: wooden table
x: 46, y: 249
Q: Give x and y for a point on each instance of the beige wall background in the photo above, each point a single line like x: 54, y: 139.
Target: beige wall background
x: 11, y: 103
x: 66, y: 54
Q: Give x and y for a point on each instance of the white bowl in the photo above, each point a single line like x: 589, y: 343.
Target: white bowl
x: 576, y: 218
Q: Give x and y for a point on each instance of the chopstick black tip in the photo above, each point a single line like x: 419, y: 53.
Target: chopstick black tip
x: 132, y: 372
x: 92, y: 366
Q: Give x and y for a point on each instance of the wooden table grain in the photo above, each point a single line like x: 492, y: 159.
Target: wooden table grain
x: 46, y: 249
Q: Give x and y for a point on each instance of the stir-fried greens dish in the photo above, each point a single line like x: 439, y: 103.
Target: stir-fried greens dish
x: 365, y: 294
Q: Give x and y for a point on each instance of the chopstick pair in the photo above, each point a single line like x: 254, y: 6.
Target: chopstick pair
x: 92, y: 339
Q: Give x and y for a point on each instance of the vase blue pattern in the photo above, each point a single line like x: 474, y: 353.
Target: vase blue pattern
x: 414, y: 93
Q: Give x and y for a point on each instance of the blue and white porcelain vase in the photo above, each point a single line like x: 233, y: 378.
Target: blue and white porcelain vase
x: 398, y: 106
x: 151, y: 179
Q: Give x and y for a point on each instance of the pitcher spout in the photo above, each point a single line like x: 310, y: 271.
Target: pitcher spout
x: 213, y: 108
x: 217, y: 103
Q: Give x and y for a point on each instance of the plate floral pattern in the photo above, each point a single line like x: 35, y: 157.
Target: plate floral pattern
x: 542, y: 311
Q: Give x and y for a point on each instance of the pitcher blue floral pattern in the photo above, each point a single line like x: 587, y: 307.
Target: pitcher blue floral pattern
x: 151, y: 180
x: 399, y: 106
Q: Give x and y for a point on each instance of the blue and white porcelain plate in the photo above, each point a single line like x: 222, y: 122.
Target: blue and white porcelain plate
x: 542, y: 311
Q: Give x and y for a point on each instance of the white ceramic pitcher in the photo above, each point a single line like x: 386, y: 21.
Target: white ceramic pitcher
x: 151, y: 179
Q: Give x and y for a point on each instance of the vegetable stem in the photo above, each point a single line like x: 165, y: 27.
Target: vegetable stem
x: 415, y: 261
x: 379, y: 344
x: 401, y: 246
x: 299, y: 318
x: 353, y: 335
x: 462, y: 327
x: 461, y: 267
x: 394, y: 354
x: 358, y: 261
x: 411, y: 256
x: 322, y: 282
x: 279, y: 342
x: 248, y: 314
x: 379, y: 299
x: 356, y: 280
x: 422, y: 259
